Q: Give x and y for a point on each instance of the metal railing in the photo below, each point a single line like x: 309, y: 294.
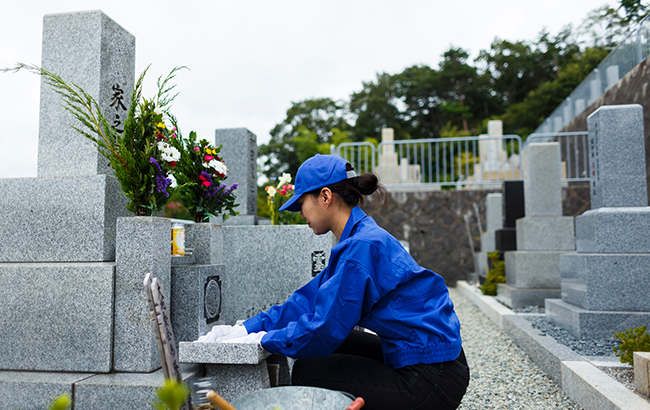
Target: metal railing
x: 437, y: 162
x: 627, y: 55
x: 574, y: 152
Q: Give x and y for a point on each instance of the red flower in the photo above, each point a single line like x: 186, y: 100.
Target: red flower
x: 206, y: 184
x: 173, y: 164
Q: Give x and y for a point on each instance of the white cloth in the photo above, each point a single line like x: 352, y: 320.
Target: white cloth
x: 249, y: 338
x: 220, y: 333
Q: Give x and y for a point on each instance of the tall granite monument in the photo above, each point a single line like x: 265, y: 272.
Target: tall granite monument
x: 605, y: 284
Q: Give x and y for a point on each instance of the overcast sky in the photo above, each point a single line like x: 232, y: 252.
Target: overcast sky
x: 250, y: 59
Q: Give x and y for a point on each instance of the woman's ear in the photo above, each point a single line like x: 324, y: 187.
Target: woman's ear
x: 326, y: 196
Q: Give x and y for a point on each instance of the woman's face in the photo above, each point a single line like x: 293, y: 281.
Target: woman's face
x: 312, y: 210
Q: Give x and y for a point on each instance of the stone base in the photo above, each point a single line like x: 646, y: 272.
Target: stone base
x: 36, y: 390
x: 533, y: 269
x: 545, y: 233
x: 488, y: 242
x: 236, y: 220
x: 237, y: 380
x: 614, y: 281
x: 57, y: 316
x: 506, y: 239
x: 614, y: 230
x: 66, y: 219
x: 518, y: 297
x: 591, y: 323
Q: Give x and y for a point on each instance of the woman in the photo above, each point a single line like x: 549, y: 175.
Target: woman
x: 413, y: 359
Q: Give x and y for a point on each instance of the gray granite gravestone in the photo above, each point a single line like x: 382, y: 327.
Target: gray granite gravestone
x: 533, y: 271
x: 494, y: 222
x: 58, y: 302
x: 604, y: 284
x: 92, y: 51
x: 68, y: 213
x: 239, y: 152
x: 57, y: 258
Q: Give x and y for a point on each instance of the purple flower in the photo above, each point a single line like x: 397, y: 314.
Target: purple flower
x: 161, y: 182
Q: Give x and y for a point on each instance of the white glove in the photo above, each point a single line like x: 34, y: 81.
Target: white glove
x: 237, y: 331
x: 249, y: 338
x: 217, y: 332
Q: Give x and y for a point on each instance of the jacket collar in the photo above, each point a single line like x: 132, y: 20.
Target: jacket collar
x: 355, y: 216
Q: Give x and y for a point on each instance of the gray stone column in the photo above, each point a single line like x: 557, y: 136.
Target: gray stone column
x: 143, y: 245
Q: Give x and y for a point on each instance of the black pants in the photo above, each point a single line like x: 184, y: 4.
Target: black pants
x: 357, y: 367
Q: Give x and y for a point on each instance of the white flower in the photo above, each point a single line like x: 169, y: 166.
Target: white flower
x: 174, y: 183
x: 158, y: 111
x: 218, y: 166
x: 270, y: 190
x: 284, y: 179
x: 168, y: 153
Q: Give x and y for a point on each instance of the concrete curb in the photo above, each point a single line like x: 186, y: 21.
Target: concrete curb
x: 588, y: 386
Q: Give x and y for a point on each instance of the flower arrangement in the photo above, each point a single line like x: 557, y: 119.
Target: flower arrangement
x: 278, y: 195
x: 200, y: 172
x: 142, y: 154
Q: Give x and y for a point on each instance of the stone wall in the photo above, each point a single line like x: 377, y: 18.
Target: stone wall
x: 433, y: 224
x: 631, y: 89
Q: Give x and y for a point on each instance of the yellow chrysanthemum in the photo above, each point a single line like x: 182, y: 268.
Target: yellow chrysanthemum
x: 161, y: 125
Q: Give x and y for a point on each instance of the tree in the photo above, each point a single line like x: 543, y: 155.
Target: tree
x: 375, y: 107
x: 607, y: 26
x: 520, y: 67
x: 307, y: 129
x: 523, y: 117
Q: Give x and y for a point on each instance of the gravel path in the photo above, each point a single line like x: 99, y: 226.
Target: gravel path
x: 502, y: 375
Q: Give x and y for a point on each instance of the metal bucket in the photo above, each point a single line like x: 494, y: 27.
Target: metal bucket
x: 294, y: 398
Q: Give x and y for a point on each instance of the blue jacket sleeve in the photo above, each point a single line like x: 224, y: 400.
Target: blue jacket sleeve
x: 343, y: 296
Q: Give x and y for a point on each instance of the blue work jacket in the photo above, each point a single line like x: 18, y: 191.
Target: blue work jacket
x: 370, y: 281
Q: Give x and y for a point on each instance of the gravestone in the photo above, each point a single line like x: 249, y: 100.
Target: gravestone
x: 57, y: 258
x: 533, y: 270
x: 604, y: 284
x: 239, y: 151
x: 513, y: 209
x: 494, y: 222
x: 68, y: 213
x: 58, y: 249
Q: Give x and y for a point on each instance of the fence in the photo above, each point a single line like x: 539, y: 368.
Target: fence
x: 437, y: 162
x: 627, y: 55
x: 574, y: 153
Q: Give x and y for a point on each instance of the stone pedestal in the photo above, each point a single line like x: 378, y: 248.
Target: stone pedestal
x: 604, y: 285
x: 240, y: 368
x: 56, y: 316
x: 533, y: 270
x: 143, y: 246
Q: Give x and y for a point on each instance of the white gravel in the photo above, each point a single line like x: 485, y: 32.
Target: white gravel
x: 502, y: 375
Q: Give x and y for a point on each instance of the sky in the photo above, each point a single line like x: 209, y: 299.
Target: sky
x: 250, y: 59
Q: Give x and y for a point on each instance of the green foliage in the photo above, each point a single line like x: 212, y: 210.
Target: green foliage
x: 632, y: 340
x: 495, y: 275
x: 309, y: 127
x: 62, y: 402
x: 171, y: 395
x: 134, y: 153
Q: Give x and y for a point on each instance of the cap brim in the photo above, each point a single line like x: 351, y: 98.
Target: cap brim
x: 292, y: 204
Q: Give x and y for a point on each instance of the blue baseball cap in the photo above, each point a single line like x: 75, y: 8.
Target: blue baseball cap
x: 318, y: 171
